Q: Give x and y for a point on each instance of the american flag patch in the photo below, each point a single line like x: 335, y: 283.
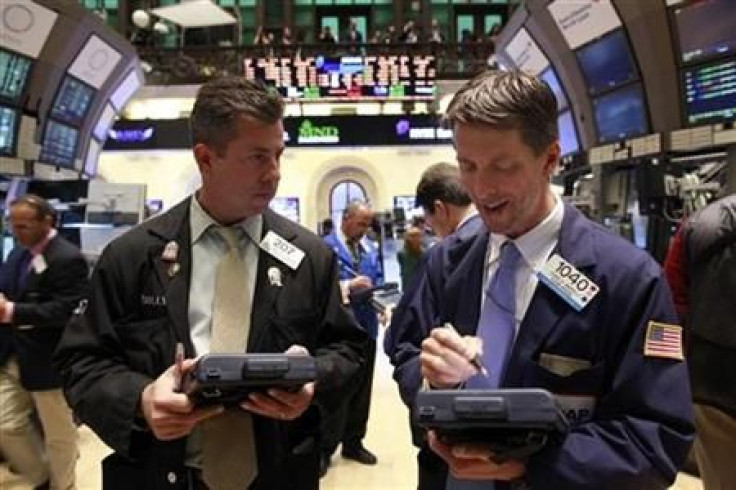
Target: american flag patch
x: 663, y: 340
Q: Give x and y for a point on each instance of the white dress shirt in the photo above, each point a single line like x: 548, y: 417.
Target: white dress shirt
x: 535, y: 247
x: 207, y: 250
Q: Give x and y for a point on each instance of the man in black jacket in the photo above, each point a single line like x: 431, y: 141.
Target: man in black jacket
x: 706, y: 267
x: 41, y: 283
x: 159, y: 285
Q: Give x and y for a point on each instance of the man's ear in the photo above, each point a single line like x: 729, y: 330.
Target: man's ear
x: 440, y: 209
x: 203, y: 156
x: 551, y: 158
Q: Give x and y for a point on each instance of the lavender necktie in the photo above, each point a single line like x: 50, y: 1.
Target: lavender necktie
x: 497, y: 327
x: 497, y: 322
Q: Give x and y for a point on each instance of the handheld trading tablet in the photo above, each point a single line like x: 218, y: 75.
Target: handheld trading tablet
x: 229, y: 378
x: 514, y: 423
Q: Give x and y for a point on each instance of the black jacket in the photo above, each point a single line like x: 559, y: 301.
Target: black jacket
x: 42, y: 308
x: 138, y: 311
x: 709, y: 253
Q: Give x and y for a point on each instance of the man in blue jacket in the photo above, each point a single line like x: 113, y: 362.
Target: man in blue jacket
x: 550, y: 300
x: 360, y: 270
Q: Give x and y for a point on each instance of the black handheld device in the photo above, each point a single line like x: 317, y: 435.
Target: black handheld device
x: 514, y: 423
x: 229, y: 378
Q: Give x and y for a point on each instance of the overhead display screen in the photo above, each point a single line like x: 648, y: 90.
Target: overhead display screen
x: 72, y: 101
x: 93, y: 154
x: 706, y: 29
x: 126, y: 89
x: 568, y: 135
x: 525, y: 53
x: 59, y: 144
x: 316, y: 77
x: 620, y: 114
x: 580, y: 21
x: 709, y: 92
x: 8, y: 124
x: 104, y: 123
x: 14, y: 70
x: 95, y: 62
x: 25, y: 26
x: 550, y: 78
x: 607, y: 62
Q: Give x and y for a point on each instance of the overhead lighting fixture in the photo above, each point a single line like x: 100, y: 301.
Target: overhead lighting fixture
x: 195, y: 13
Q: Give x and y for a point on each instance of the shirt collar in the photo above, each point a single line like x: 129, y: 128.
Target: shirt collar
x: 200, y: 222
x: 535, y: 244
x: 38, y: 248
x: 473, y: 213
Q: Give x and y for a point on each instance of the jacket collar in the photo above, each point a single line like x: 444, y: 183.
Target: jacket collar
x: 547, y: 309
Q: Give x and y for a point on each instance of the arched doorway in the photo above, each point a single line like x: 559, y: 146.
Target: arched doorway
x: 341, y: 194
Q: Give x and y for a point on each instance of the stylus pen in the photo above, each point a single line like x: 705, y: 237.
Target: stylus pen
x: 477, y: 359
x: 179, y: 361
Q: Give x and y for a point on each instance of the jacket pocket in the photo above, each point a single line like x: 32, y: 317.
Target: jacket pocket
x: 149, y: 345
x: 587, y: 381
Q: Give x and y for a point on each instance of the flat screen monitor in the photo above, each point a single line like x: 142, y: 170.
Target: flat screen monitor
x: 550, y: 78
x: 59, y: 146
x: 407, y: 203
x: 706, y: 29
x: 14, y: 71
x: 288, y: 207
x: 122, y: 94
x: 8, y: 130
x: 72, y: 101
x: 93, y: 155
x: 568, y: 135
x: 64, y: 191
x: 607, y: 62
x: 620, y: 114
x: 104, y: 123
x: 709, y: 92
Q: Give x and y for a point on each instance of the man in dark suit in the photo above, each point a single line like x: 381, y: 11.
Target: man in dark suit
x: 450, y: 212
x: 164, y: 283
x: 360, y: 269
x: 41, y: 283
x: 548, y: 300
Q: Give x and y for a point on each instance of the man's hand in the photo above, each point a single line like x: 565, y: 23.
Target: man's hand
x: 360, y: 282
x: 3, y: 304
x: 282, y: 404
x: 472, y: 462
x: 170, y: 414
x: 445, y: 357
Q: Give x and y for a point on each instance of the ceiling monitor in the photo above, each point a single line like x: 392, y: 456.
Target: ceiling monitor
x: 104, y: 123
x: 59, y: 145
x: 95, y: 62
x: 93, y: 155
x: 620, y: 114
x: 569, y: 142
x: 14, y: 72
x: 122, y: 94
x: 607, y: 62
x: 706, y: 29
x: 550, y: 78
x: 8, y: 130
x: 709, y: 92
x: 72, y: 101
